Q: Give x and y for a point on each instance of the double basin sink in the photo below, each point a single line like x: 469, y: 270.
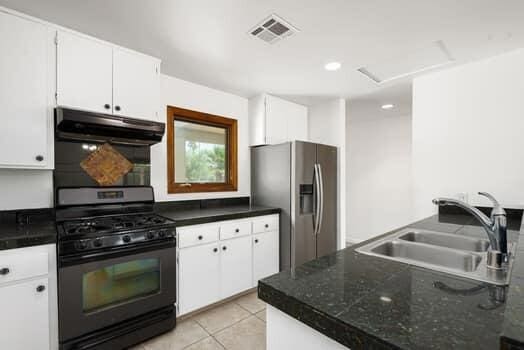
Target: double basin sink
x: 450, y: 253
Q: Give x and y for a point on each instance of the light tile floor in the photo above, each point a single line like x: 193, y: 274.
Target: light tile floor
x: 237, y: 325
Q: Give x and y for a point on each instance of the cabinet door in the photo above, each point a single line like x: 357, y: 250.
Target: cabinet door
x: 257, y: 120
x: 265, y: 255
x: 25, y: 48
x: 285, y: 121
x: 236, y: 266
x: 276, y: 123
x: 25, y: 315
x: 84, y: 73
x: 199, y: 277
x: 136, y: 85
x: 297, y: 123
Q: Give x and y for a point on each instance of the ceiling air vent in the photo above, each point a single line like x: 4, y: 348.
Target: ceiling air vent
x: 425, y: 58
x: 272, y: 29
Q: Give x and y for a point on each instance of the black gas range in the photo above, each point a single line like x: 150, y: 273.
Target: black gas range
x: 116, y: 267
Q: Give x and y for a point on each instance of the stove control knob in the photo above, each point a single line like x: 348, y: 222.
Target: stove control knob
x: 81, y: 245
x: 97, y: 243
x: 126, y: 239
x: 150, y: 235
x: 162, y: 233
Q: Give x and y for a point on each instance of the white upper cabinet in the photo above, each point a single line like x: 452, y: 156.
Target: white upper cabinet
x: 99, y: 77
x: 136, y: 85
x: 85, y: 73
x: 26, y: 49
x: 274, y: 120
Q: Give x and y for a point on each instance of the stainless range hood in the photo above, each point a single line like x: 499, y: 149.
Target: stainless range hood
x: 76, y: 125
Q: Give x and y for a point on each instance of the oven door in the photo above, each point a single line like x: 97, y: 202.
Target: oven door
x: 106, y: 288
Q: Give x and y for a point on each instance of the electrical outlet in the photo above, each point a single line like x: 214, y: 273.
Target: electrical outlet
x: 463, y: 196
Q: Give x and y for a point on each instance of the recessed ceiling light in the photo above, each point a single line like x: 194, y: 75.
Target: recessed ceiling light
x: 387, y: 106
x: 333, y: 66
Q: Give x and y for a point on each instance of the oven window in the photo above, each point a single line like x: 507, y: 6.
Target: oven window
x: 120, y: 283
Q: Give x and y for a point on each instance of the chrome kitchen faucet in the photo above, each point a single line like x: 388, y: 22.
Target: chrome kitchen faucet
x: 495, y: 227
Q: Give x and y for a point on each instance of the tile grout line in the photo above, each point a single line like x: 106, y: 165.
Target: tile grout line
x: 252, y: 313
x: 223, y: 345
x: 224, y: 328
x: 199, y: 340
x: 212, y: 335
x: 204, y: 328
x: 219, y: 343
x: 231, y: 325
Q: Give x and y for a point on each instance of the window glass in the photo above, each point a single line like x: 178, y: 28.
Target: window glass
x: 200, y: 153
x: 119, y: 283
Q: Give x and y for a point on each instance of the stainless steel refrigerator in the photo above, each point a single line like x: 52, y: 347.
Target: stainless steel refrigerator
x: 301, y: 178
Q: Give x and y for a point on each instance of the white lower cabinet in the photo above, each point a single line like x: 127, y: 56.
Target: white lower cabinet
x: 199, y: 277
x: 211, y: 271
x: 28, y: 298
x: 235, y: 266
x: 265, y: 255
x: 25, y: 315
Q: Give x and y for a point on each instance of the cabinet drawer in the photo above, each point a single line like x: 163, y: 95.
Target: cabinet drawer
x: 265, y: 224
x: 19, y: 264
x: 234, y: 229
x: 195, y: 235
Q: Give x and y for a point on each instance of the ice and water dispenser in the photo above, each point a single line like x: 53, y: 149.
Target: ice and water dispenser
x: 306, y: 199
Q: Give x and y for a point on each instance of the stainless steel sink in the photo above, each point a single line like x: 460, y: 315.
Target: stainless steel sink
x: 447, y: 240
x: 450, y: 258
x: 451, y: 253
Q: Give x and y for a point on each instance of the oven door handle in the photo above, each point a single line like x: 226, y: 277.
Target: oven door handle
x: 71, y: 260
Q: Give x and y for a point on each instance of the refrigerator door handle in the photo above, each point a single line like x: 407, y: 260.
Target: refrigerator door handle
x: 316, y: 216
x: 321, y: 186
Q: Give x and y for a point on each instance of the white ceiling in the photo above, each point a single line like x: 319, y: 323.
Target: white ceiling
x: 206, y: 41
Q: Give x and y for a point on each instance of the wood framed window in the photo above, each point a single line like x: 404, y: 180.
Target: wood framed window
x: 201, y: 152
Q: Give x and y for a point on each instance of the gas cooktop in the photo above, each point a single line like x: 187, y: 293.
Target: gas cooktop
x: 90, y: 219
x: 102, y: 225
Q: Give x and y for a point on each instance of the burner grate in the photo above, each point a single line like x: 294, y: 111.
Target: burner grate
x: 112, y: 224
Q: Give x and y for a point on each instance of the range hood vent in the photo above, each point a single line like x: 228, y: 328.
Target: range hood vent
x: 426, y: 58
x: 75, y: 125
x: 273, y: 29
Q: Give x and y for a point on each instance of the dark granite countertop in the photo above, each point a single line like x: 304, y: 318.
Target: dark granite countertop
x: 27, y: 228
x: 24, y: 228
x: 365, y: 302
x: 189, y: 215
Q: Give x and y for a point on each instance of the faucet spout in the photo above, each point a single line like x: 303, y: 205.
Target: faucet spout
x: 480, y: 216
x: 495, y: 225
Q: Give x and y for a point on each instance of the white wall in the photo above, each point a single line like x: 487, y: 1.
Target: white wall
x: 184, y: 94
x: 327, y: 125
x: 26, y: 189
x: 379, y: 192
x: 468, y: 128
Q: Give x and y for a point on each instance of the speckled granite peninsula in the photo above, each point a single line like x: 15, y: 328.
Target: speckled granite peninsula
x: 366, y: 302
